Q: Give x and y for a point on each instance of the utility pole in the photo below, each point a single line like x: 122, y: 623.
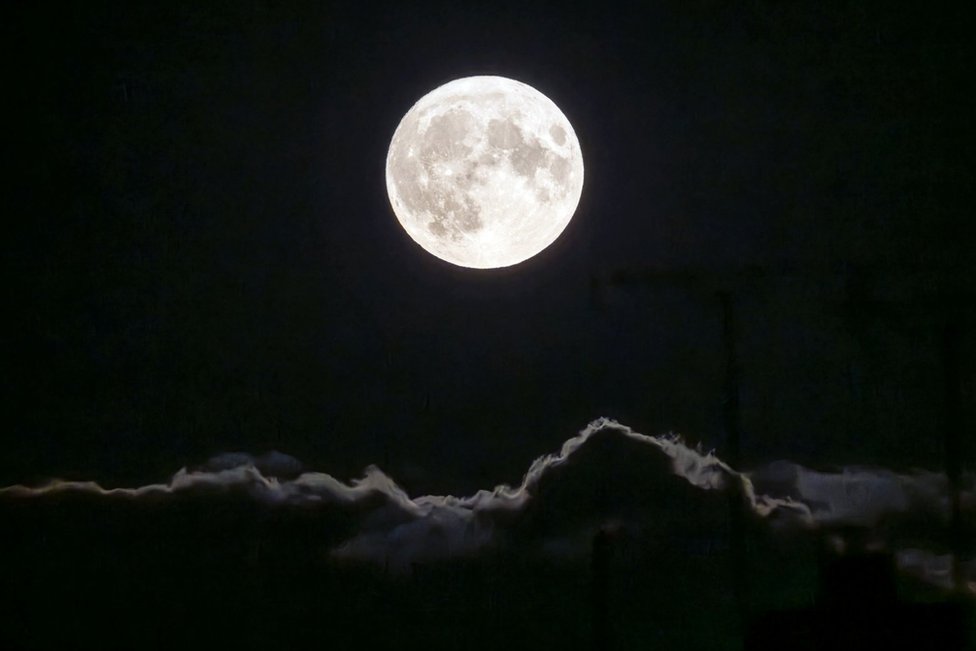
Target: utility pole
x: 710, y: 287
x: 951, y: 352
x: 731, y: 423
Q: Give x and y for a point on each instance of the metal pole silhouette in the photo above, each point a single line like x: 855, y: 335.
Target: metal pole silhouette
x: 710, y: 287
x: 951, y: 351
x: 600, y: 586
x: 730, y: 413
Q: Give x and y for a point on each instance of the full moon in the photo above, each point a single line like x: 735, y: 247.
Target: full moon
x: 484, y: 172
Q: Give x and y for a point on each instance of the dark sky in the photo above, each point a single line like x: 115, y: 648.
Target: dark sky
x: 200, y: 256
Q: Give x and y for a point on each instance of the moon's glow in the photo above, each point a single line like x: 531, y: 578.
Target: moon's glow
x: 484, y: 172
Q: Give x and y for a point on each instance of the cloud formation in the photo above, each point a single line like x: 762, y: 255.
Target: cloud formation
x: 607, y: 473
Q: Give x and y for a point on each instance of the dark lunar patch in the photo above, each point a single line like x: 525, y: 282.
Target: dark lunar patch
x: 408, y: 186
x: 559, y: 169
x: 488, y: 159
x: 469, y: 220
x: 558, y: 134
x: 406, y: 179
x: 504, y: 134
x: 407, y: 170
x: 437, y: 228
x: 444, y: 138
x: 528, y: 157
x: 465, y: 214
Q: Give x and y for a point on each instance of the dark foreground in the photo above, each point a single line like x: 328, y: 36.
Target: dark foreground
x: 83, y: 572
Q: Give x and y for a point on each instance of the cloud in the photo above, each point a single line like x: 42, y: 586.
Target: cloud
x: 607, y: 473
x: 856, y: 496
x: 271, y: 464
x: 933, y: 568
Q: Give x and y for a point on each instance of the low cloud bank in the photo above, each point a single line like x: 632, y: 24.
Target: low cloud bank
x: 607, y: 473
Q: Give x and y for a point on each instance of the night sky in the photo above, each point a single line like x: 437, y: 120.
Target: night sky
x: 200, y: 256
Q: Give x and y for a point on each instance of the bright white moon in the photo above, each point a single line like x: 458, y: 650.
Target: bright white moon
x: 484, y: 172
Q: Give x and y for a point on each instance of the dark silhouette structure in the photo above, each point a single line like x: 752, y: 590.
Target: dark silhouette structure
x: 600, y: 569
x: 858, y: 608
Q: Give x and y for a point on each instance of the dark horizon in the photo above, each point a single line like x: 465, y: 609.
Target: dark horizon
x: 614, y: 541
